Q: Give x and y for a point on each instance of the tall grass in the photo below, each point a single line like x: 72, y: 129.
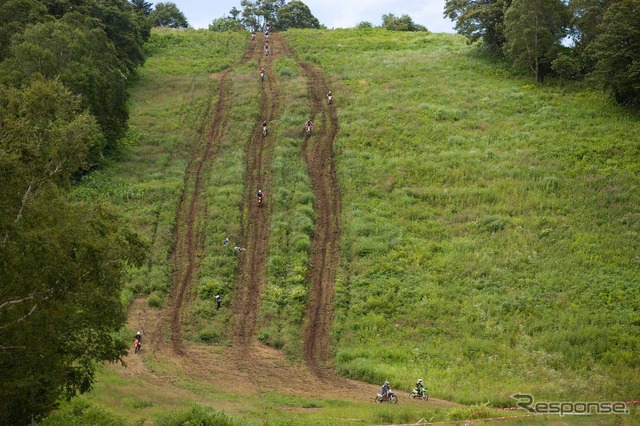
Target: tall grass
x: 490, y: 225
x: 167, y: 107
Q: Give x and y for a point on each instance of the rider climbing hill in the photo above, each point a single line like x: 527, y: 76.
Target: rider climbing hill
x: 385, y: 389
x: 309, y: 126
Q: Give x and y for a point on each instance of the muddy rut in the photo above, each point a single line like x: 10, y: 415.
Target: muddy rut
x: 319, y: 156
x: 252, y: 264
x: 189, y: 234
x: 247, y: 365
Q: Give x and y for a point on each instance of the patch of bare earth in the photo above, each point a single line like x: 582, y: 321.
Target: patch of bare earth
x: 248, y: 366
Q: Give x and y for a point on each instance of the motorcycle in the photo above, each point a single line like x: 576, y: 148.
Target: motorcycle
x: 417, y: 395
x: 136, y: 346
x: 391, y: 397
x: 262, y: 76
x: 260, y: 201
x: 264, y: 131
x: 329, y: 99
x: 309, y: 129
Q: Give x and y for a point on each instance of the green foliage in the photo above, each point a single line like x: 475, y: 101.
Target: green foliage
x: 617, y: 52
x: 154, y: 300
x: 490, y: 233
x: 83, y: 59
x: 479, y: 20
x: 533, y: 32
x: 295, y: 14
x: 226, y: 23
x: 82, y: 413
x: 400, y: 23
x: 15, y: 15
x: 363, y: 25
x: 142, y: 6
x: 167, y: 14
x: 201, y: 416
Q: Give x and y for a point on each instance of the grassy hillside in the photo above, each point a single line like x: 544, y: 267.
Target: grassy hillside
x: 490, y: 225
x: 489, y: 230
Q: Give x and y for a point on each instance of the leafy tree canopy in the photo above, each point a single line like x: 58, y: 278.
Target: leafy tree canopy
x: 142, y: 6
x: 534, y: 29
x: 617, y: 52
x: 479, y: 20
x: 168, y: 15
x: 226, y: 23
x: 400, y: 23
x: 61, y: 260
x: 296, y: 14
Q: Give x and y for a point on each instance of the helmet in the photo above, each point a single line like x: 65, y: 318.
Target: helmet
x: 138, y: 332
x: 419, y: 380
x: 386, y: 383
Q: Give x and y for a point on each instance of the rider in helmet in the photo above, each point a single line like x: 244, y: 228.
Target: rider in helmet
x: 385, y: 389
x: 420, y: 387
x: 264, y: 127
x: 262, y: 74
x: 309, y: 125
x: 260, y: 194
x: 138, y: 337
x: 330, y: 96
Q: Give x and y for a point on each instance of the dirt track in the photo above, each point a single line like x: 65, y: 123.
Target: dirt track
x: 248, y: 366
x: 255, y: 228
x: 318, y: 154
x: 189, y: 234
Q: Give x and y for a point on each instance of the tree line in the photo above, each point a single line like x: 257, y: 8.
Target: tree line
x: 575, y: 39
x: 254, y: 15
x: 65, y: 70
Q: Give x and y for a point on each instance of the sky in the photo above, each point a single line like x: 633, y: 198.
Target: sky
x: 332, y: 13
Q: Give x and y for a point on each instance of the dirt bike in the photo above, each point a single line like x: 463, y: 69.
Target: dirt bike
x: 329, y: 100
x: 416, y: 395
x: 262, y: 76
x: 137, y: 345
x: 260, y: 201
x: 264, y: 131
x: 309, y: 129
x: 391, y: 397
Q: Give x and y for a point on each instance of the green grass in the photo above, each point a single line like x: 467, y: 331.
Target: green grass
x: 489, y: 223
x: 292, y: 223
x: 167, y: 107
x: 490, y: 230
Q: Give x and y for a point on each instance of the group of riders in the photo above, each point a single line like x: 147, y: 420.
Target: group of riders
x: 419, y: 390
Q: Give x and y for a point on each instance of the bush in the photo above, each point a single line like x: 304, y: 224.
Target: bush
x: 198, y: 416
x: 155, y: 301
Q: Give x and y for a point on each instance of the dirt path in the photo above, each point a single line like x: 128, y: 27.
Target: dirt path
x: 318, y: 154
x: 248, y: 366
x: 256, y: 225
x: 189, y: 234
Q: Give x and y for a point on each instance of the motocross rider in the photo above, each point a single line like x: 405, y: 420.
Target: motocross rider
x: 420, y: 387
x: 385, y: 389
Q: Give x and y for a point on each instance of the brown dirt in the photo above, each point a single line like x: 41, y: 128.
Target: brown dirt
x: 248, y: 366
x: 255, y: 232
x: 319, y: 156
x: 189, y: 234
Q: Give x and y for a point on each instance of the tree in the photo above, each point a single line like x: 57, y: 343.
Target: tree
x: 142, y: 6
x: 15, y: 15
x: 256, y: 14
x: 61, y: 261
x: 617, y: 52
x: 295, y: 14
x: 226, y: 23
x: 479, y: 19
x: 77, y: 51
x: 168, y: 15
x: 534, y: 29
x: 401, y: 23
x: 364, y: 25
